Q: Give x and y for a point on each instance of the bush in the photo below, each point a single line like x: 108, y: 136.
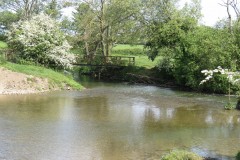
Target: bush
x: 230, y: 106
x: 238, y: 156
x: 3, y: 37
x: 2, y: 58
x: 181, y: 155
x: 40, y: 40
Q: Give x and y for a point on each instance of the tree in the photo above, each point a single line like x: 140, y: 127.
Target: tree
x: 187, y: 48
x: 25, y: 8
x: 53, y: 9
x: 102, y: 23
x: 40, y: 40
x: 7, y: 18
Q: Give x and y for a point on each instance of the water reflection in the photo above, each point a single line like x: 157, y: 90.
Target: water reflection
x: 115, y: 122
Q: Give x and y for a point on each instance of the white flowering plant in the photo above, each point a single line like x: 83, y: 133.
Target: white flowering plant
x: 41, y: 41
x: 232, y: 77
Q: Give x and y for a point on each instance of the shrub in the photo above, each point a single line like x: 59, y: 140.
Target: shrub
x: 181, y: 155
x: 3, y: 37
x: 230, y: 106
x: 40, y: 40
x: 238, y: 156
x: 2, y: 58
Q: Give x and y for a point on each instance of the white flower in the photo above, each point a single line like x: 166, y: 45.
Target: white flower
x: 208, y: 77
x: 219, y: 67
x: 203, y: 81
x: 41, y: 36
x: 204, y: 71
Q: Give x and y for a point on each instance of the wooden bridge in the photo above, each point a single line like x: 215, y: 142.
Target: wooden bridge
x: 105, y: 61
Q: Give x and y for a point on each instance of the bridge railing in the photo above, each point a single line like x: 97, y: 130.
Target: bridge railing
x: 105, y: 60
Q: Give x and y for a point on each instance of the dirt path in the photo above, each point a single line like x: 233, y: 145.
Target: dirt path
x: 18, y: 83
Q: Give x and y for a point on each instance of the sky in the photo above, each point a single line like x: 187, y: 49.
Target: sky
x: 212, y: 11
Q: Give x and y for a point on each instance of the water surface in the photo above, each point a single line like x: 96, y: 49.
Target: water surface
x: 116, y: 121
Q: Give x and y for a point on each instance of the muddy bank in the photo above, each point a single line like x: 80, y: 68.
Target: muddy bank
x: 19, y: 83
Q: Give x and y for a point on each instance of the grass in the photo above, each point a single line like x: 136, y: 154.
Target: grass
x: 3, y: 45
x: 181, y: 155
x: 127, y: 46
x: 55, y: 77
x: 141, y: 60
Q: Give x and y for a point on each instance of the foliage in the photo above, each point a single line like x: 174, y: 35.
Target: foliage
x: 230, y: 106
x: 25, y: 9
x: 42, y: 72
x: 7, y: 18
x: 187, y: 48
x: 52, y: 9
x: 238, y: 156
x: 40, y: 40
x: 99, y: 25
x: 3, y: 45
x: 231, y: 77
x: 2, y: 58
x: 181, y: 155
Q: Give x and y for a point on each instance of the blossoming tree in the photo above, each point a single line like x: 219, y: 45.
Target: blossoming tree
x: 41, y: 41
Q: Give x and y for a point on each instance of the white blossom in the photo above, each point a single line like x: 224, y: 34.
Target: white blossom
x: 231, y: 76
x: 41, y: 37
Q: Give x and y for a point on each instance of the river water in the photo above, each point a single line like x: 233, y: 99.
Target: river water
x: 116, y: 122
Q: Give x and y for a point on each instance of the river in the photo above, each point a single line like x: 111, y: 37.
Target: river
x: 116, y: 122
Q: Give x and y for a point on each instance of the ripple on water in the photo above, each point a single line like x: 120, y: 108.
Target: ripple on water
x: 123, y: 121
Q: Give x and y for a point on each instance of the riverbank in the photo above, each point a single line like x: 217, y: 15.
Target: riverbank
x: 27, y: 79
x: 132, y: 75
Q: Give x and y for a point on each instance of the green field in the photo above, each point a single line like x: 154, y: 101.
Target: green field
x: 137, y: 51
x: 127, y: 46
x: 55, y: 77
x: 3, y: 45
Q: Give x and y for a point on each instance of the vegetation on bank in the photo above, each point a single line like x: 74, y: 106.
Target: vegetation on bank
x: 137, y: 51
x: 55, y: 77
x: 3, y: 45
x: 186, y: 155
x: 171, y: 36
x: 238, y: 156
x: 181, y: 155
x: 40, y: 40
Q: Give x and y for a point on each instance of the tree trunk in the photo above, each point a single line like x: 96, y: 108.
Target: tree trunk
x: 102, y: 28
x: 229, y: 17
x: 87, y: 48
x: 107, y: 42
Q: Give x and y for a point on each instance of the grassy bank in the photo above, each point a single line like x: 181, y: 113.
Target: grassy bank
x: 54, y: 77
x: 127, y: 46
x: 137, y: 51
